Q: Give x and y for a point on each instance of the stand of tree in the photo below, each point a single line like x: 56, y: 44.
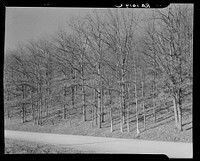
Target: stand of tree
x: 112, y: 60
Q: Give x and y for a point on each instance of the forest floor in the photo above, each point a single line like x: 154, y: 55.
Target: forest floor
x: 163, y: 130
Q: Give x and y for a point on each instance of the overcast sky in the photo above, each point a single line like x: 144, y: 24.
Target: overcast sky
x: 23, y: 24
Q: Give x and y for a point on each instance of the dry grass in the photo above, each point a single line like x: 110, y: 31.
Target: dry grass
x: 24, y: 147
x: 162, y: 130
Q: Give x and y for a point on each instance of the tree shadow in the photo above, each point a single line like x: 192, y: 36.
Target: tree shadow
x: 163, y: 111
x: 189, y: 128
x: 116, y: 121
x: 134, y: 127
x: 105, y: 124
x: 28, y: 120
x: 159, y: 124
x: 185, y: 110
x: 187, y: 123
x: 165, y: 117
x: 160, y: 121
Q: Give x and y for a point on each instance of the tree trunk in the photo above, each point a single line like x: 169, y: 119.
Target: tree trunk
x: 128, y: 96
x: 143, y: 106
x: 73, y: 102
x: 128, y: 127
x: 99, y: 106
x: 121, y: 124
x: 25, y: 114
x: 137, y: 120
x: 96, y: 109
x: 111, y: 120
x: 33, y: 108
x: 99, y: 93
x: 8, y: 114
x: 70, y: 119
x: 23, y: 120
x: 36, y: 109
x: 23, y: 96
x: 92, y: 121
x: 136, y: 101
x: 47, y: 101
x: 72, y: 105
x: 154, y: 110
x: 64, y: 105
x: 83, y: 101
x: 143, y: 98
x: 41, y: 110
x: 47, y: 109
x: 73, y: 86
x: 110, y: 112
x: 175, y: 112
x: 46, y: 105
x: 33, y: 113
x: 154, y: 106
x: 122, y: 103
x: 121, y: 115
x: 102, y: 106
x: 64, y: 111
x: 38, y: 112
x: 179, y: 111
x: 83, y: 88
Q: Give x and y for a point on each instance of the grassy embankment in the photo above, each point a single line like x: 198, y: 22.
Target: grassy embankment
x: 162, y: 130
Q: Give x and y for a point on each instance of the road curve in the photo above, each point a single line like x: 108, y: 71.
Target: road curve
x: 107, y: 145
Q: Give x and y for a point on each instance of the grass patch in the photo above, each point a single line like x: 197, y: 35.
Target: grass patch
x: 24, y: 147
x: 162, y: 130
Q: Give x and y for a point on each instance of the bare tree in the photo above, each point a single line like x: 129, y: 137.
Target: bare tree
x: 171, y: 36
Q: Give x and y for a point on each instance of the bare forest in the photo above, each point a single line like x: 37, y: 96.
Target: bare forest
x: 117, y: 66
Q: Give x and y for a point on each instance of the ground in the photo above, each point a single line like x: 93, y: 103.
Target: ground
x: 105, y: 145
x: 162, y: 130
x: 25, y: 147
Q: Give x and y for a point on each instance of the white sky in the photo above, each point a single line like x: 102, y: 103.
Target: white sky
x: 23, y: 24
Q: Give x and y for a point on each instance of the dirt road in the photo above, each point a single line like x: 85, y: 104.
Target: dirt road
x: 107, y: 145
